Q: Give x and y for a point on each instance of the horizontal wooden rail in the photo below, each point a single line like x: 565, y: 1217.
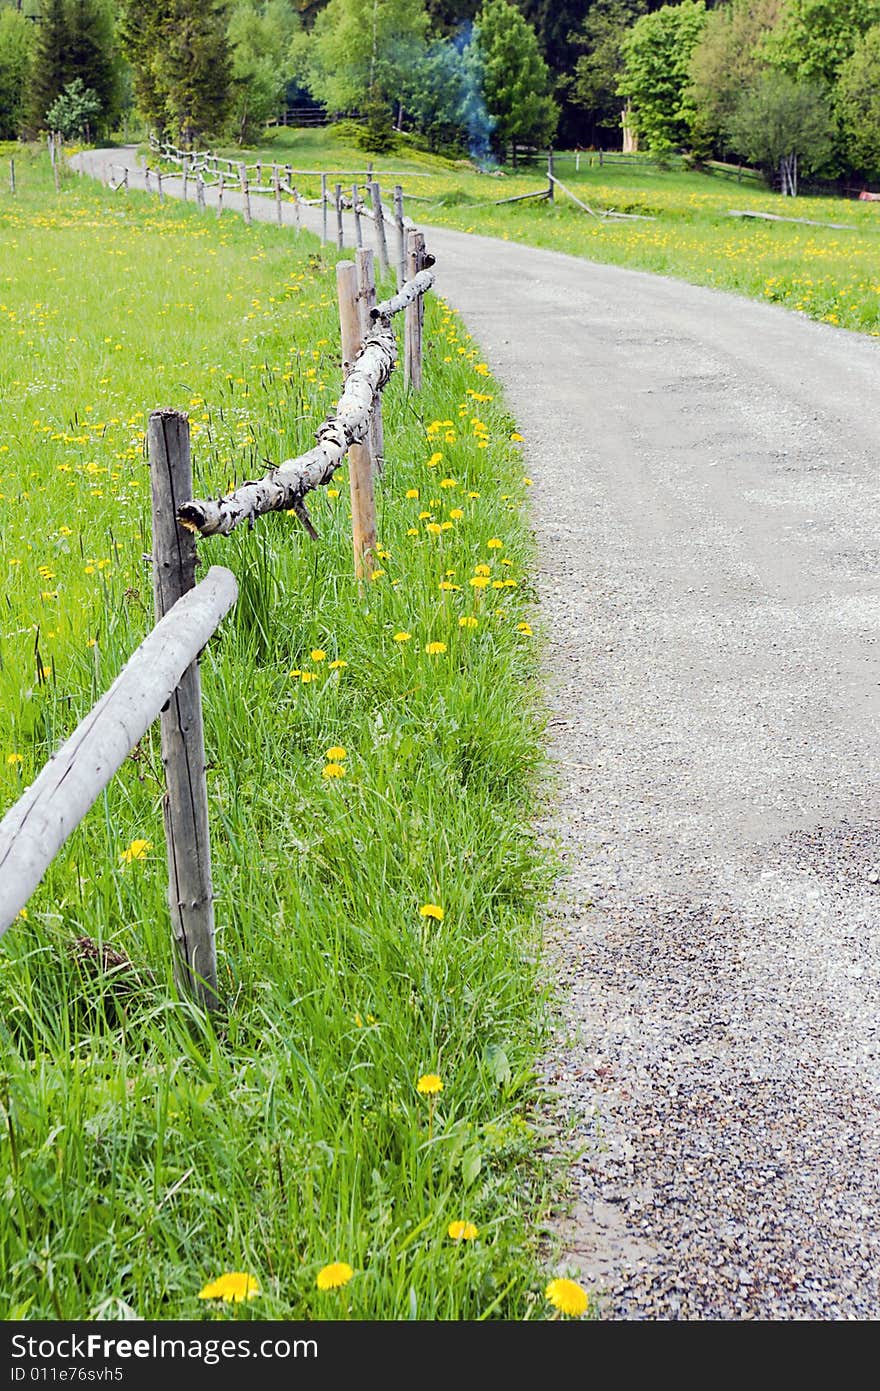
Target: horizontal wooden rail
x: 283, y: 489
x: 34, y: 829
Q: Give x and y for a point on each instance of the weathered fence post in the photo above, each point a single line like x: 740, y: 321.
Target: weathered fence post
x: 296, y: 211
x: 245, y: 192
x: 200, y: 192
x: 356, y: 213
x: 550, y: 175
x: 401, y: 235
x: 366, y: 279
x: 220, y: 178
x: 53, y: 157
x: 184, y: 168
x: 413, y: 314
x: 259, y: 173
x: 12, y: 176
x: 159, y: 182
x: 147, y: 178
x: 360, y: 468
x: 276, y: 189
x: 185, y: 806
x: 323, y: 209
x: 337, y: 198
x: 378, y: 218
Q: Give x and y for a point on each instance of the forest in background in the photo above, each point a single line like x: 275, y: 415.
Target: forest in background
x: 786, y: 85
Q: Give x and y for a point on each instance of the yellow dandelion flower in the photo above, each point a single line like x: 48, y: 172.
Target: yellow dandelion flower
x: 376, y: 574
x: 434, y: 460
x: 482, y: 569
x: 333, y: 770
x: 336, y: 754
x: 412, y: 531
x: 448, y: 482
x: 306, y: 677
x: 456, y: 514
x: 517, y: 438
x: 527, y: 482
x: 232, y: 1287
x: 448, y: 585
x: 402, y: 637
x: 462, y: 1231
x: 334, y: 1276
x: 429, y: 1084
x: 568, y: 1297
x: 524, y: 628
x: 434, y: 528
x: 14, y: 758
x: 412, y: 492
x: 333, y: 492
x: 434, y: 649
x: 468, y: 621
x: 318, y: 654
x: 431, y: 910
x: 494, y: 543
x: 478, y: 581
x: 138, y: 850
x: 337, y: 664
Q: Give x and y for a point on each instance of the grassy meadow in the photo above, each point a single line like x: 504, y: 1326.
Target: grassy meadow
x: 376, y: 905
x: 833, y: 276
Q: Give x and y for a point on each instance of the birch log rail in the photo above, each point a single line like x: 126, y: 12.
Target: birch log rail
x: 34, y: 829
x: 284, y: 488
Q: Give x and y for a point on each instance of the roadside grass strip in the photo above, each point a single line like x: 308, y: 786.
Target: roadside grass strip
x: 357, y: 1137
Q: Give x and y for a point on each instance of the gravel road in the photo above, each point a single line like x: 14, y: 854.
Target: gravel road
x: 705, y: 502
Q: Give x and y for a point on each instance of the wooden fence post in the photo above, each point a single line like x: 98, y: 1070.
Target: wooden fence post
x: 323, y: 209
x: 296, y: 211
x: 366, y: 278
x: 276, y: 189
x: 550, y: 184
x: 356, y: 214
x: 161, y: 190
x: 147, y: 178
x: 245, y: 192
x: 401, y: 235
x: 53, y: 157
x: 200, y: 192
x: 381, y: 244
x: 413, y: 314
x: 360, y: 468
x: 220, y: 178
x: 185, y: 805
x: 184, y: 167
x: 337, y: 198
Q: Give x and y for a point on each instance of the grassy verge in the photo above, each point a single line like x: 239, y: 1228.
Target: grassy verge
x: 144, y: 1154
x: 833, y: 276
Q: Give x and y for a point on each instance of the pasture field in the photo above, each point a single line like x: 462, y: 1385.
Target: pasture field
x: 376, y: 905
x: 833, y: 276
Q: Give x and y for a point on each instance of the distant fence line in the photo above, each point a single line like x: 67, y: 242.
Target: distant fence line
x: 161, y: 678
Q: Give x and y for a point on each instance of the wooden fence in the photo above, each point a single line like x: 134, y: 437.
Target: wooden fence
x: 161, y: 678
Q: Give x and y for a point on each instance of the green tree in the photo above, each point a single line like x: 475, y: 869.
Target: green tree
x: 438, y: 96
x: 597, y: 73
x: 17, y: 44
x: 181, y: 62
x: 91, y: 57
x: 857, y: 103
x: 361, y: 55
x: 140, y: 33
x: 194, y: 69
x: 75, y: 111
x: 656, y: 54
x: 729, y: 57
x: 259, y: 34
x: 816, y: 37
x: 783, y: 123
x: 514, y: 79
x: 50, y: 61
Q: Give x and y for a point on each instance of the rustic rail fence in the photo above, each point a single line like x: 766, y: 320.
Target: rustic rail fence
x: 161, y: 679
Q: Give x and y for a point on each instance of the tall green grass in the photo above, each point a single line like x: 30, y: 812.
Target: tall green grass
x: 143, y: 1150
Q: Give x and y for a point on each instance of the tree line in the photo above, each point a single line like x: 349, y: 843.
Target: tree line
x: 789, y: 85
